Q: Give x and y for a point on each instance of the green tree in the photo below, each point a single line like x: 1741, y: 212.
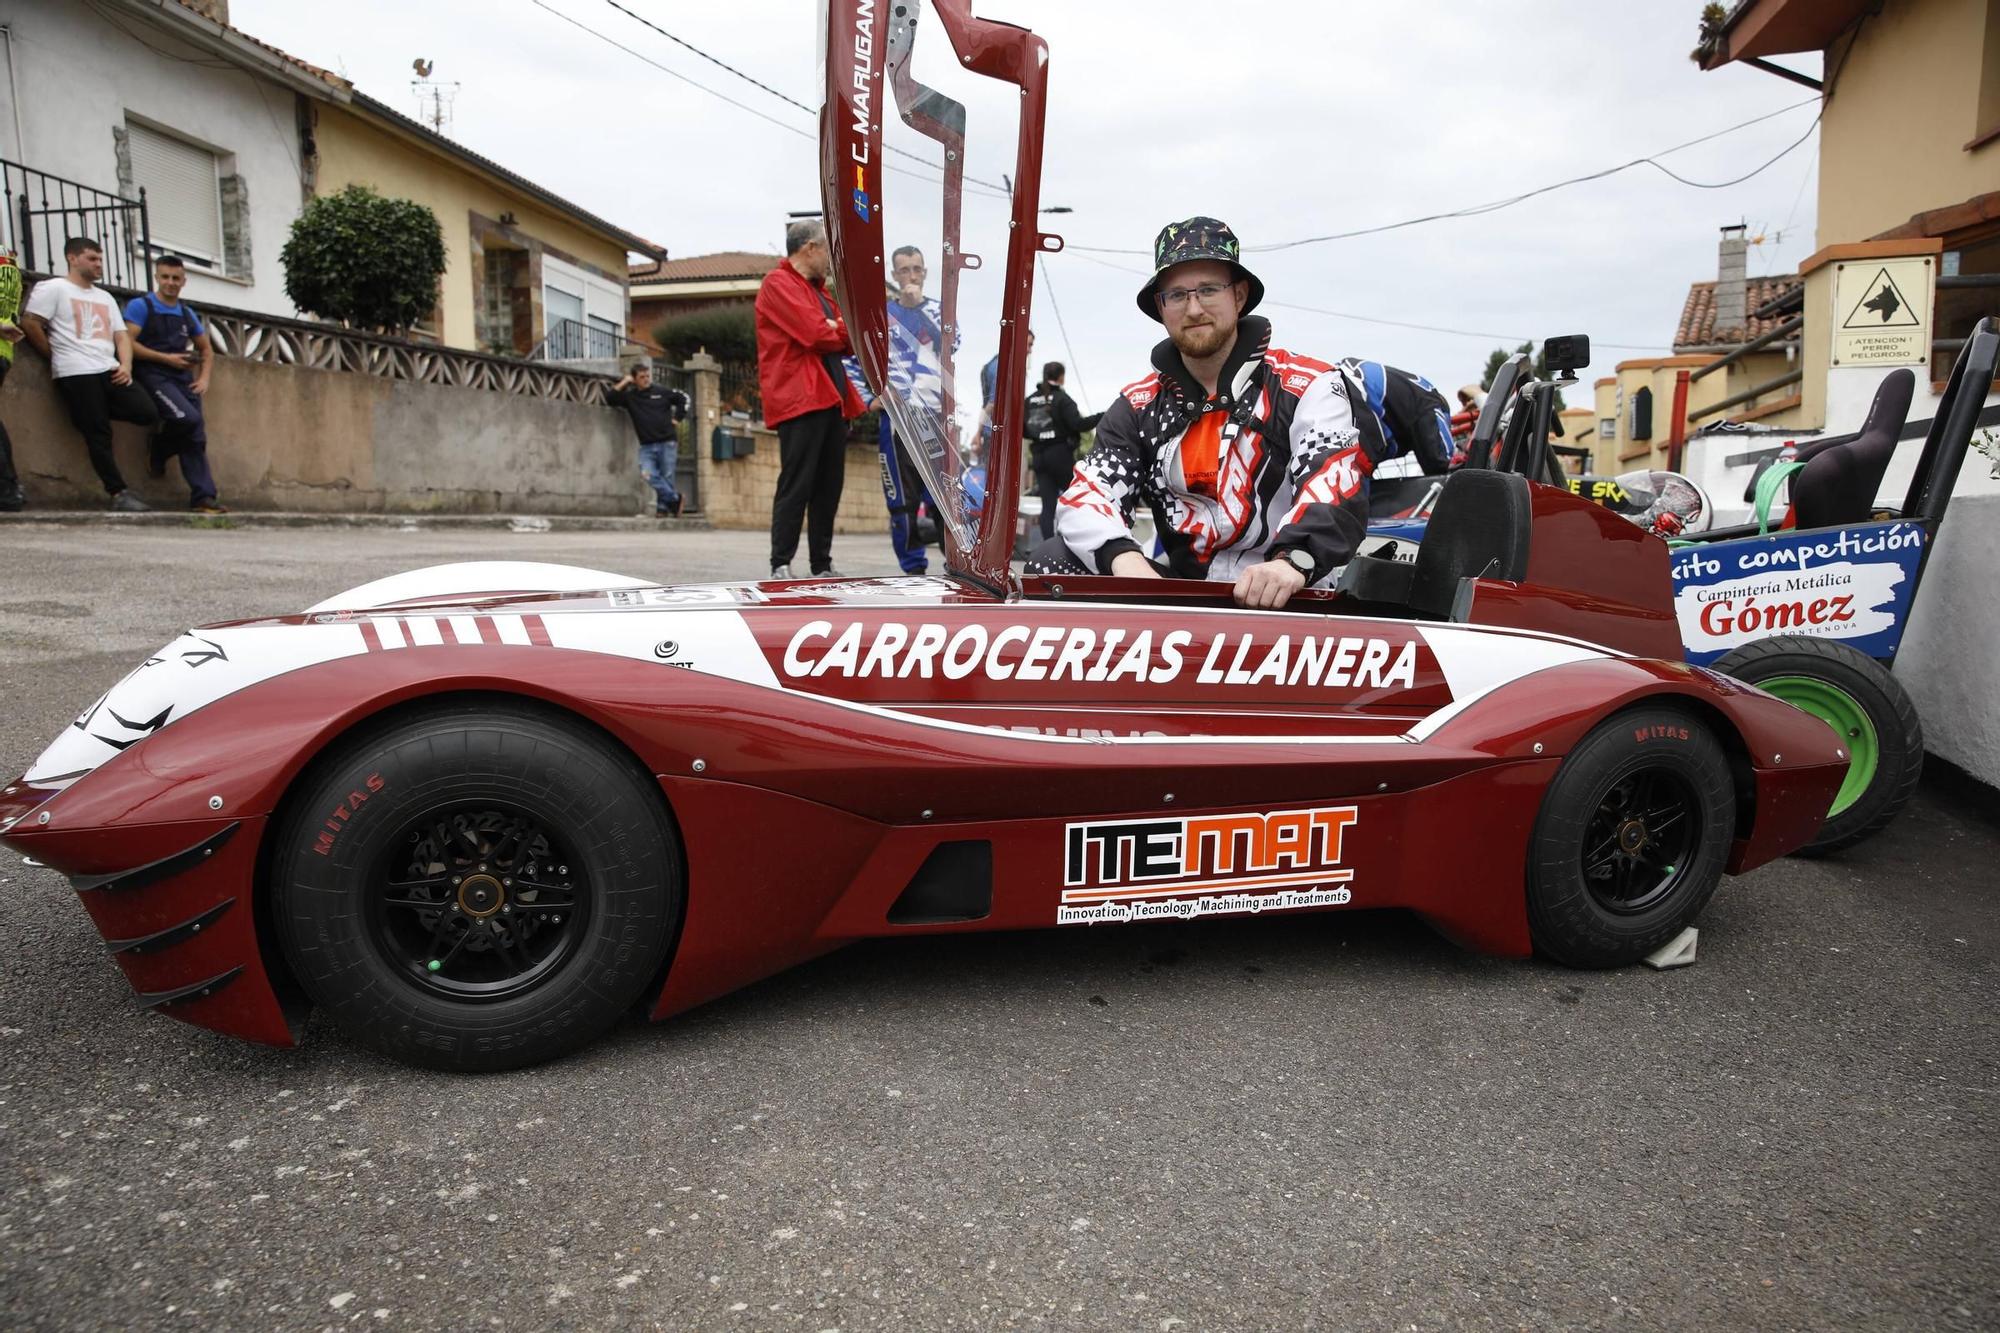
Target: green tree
x: 364, y: 260
x: 729, y: 333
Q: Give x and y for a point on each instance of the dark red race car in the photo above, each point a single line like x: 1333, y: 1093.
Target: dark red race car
x: 477, y: 812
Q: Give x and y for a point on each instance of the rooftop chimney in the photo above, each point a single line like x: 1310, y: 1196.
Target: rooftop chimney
x: 1730, y: 316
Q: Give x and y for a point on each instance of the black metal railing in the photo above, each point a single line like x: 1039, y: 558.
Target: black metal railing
x: 574, y: 340
x: 43, y: 211
x: 740, y: 390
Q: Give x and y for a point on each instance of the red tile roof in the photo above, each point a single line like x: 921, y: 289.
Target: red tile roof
x: 1697, y: 326
x: 706, y: 268
x: 326, y: 76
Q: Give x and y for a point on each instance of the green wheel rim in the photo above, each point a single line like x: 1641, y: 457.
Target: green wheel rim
x: 1838, y: 709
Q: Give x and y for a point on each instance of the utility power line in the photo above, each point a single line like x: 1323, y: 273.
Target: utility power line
x: 1509, y: 338
x: 1494, y: 206
x: 755, y: 82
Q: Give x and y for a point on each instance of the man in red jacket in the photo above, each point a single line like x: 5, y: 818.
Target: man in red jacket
x: 801, y: 340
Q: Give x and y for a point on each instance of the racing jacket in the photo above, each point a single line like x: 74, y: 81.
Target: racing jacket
x: 916, y: 369
x: 799, y: 357
x: 1288, y: 470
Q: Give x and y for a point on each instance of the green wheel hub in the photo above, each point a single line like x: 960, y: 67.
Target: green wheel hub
x: 1838, y: 709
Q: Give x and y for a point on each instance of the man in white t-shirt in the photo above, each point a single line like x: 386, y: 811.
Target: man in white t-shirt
x: 78, y: 326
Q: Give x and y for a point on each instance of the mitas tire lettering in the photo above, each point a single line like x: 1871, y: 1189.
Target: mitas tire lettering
x: 344, y: 920
x: 1631, y: 838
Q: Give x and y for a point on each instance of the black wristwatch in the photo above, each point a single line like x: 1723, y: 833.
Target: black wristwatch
x: 1298, y: 560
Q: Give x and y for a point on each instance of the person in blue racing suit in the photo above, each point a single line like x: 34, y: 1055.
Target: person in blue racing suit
x: 1413, y: 417
x: 916, y: 334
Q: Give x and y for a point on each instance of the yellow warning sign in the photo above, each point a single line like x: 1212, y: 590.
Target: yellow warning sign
x: 1882, y: 312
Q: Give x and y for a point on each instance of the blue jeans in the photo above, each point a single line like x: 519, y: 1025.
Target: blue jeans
x: 656, y: 464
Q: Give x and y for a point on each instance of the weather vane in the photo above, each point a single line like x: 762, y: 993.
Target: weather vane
x: 434, y: 96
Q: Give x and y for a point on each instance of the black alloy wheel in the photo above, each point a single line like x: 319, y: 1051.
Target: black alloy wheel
x: 1636, y: 844
x: 476, y: 885
x: 478, y: 903
x: 1631, y: 838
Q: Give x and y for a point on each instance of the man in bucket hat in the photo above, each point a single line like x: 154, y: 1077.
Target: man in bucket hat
x: 1250, y: 458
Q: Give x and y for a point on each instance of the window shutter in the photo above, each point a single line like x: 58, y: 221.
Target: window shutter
x: 183, y: 200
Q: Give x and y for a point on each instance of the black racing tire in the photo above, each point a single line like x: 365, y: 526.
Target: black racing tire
x: 480, y: 886
x: 1631, y: 838
x: 1856, y: 696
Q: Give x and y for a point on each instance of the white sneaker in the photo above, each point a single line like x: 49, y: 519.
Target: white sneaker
x: 781, y: 571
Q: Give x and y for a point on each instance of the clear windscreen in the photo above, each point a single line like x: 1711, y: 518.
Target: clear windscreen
x: 949, y: 138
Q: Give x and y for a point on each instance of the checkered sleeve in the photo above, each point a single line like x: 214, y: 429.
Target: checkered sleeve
x: 1329, y: 513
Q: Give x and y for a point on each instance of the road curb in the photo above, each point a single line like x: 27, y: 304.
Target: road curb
x: 394, y: 522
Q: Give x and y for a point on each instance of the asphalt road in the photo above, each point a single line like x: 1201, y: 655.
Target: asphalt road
x: 1333, y: 1121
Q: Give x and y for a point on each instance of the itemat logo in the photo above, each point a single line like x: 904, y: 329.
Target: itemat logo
x: 1201, y: 865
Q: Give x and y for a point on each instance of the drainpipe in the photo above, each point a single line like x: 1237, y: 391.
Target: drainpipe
x: 1680, y: 431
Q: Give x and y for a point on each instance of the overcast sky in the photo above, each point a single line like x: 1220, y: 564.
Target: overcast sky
x: 1286, y: 121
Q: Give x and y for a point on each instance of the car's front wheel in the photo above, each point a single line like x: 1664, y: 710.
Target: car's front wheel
x: 478, y: 887
x: 1631, y: 838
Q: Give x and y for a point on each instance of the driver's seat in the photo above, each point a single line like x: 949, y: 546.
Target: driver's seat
x: 1837, y: 485
x: 1478, y: 529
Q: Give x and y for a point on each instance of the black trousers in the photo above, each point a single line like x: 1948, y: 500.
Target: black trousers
x: 1050, y: 483
x: 8, y: 481
x: 94, y: 402
x: 812, y: 469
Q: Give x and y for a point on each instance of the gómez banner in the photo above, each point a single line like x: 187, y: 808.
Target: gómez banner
x: 1852, y: 584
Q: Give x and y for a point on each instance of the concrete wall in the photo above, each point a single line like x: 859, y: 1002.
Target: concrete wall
x: 80, y: 77
x: 285, y: 438
x: 356, y: 150
x: 1906, y: 102
x: 738, y: 493
x: 1954, y: 634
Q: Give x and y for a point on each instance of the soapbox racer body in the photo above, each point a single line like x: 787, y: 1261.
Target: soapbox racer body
x: 478, y: 812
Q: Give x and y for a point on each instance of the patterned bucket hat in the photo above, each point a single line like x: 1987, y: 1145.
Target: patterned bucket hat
x: 1196, y: 238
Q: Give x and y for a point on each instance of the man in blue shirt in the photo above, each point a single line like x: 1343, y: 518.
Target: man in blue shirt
x: 171, y: 357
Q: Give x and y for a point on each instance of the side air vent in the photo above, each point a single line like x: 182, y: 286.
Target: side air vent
x: 955, y: 883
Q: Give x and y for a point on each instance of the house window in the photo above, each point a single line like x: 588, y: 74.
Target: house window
x: 183, y: 184
x: 605, y: 338
x: 583, y: 312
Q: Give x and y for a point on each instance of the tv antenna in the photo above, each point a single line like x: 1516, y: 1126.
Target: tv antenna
x: 434, y: 96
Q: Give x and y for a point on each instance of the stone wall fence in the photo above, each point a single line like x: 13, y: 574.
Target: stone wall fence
x: 309, y: 417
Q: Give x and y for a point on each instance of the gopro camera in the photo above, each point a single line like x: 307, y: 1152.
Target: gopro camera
x: 1568, y: 353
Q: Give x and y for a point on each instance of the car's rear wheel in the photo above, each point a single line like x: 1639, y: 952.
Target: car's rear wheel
x: 1631, y: 838
x: 479, y: 887
x: 1852, y: 693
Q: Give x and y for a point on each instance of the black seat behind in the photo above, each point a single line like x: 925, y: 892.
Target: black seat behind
x: 1479, y: 527
x: 1838, y: 483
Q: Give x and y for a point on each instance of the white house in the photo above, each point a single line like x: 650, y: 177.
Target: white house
x: 100, y: 100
